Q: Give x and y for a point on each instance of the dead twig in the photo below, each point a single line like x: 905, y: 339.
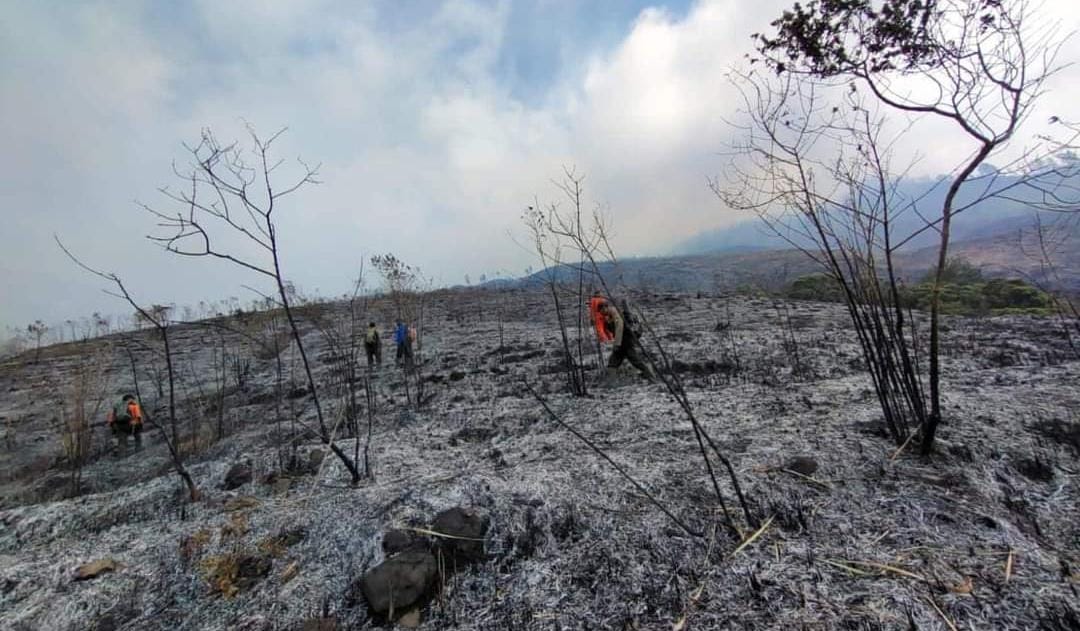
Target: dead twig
x: 695, y: 596
x: 441, y: 535
x: 882, y: 567
x: 824, y: 485
x: 848, y: 568
x: 941, y: 613
x: 900, y: 450
x: 752, y: 538
x: 555, y: 417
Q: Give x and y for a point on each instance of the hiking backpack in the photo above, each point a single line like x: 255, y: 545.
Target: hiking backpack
x: 629, y: 320
x: 122, y: 412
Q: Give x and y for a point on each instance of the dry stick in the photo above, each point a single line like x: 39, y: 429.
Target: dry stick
x: 174, y: 454
x: 752, y: 538
x: 824, y: 485
x: 695, y: 596
x: 344, y: 354
x: 674, y: 387
x: 162, y: 328
x: 671, y: 381
x: 211, y: 159
x: 941, y: 613
x: 712, y: 475
x: 224, y: 385
x: 555, y: 417
x: 441, y: 535
x: 322, y: 465
x: 877, y: 566
x: 848, y: 568
x: 860, y: 297
x: 901, y: 448
x: 328, y: 440
x: 880, y: 537
x: 575, y: 375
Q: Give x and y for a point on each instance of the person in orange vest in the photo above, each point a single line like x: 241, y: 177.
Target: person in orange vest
x: 126, y: 419
x: 596, y: 304
x: 626, y: 342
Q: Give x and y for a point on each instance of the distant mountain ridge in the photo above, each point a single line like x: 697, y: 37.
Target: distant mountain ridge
x: 1014, y: 251
x: 1003, y: 248
x: 986, y: 218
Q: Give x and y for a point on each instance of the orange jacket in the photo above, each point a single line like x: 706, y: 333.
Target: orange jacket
x: 602, y: 332
x: 136, y: 413
x: 133, y: 410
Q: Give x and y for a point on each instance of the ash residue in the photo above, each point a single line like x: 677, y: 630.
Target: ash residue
x: 984, y: 532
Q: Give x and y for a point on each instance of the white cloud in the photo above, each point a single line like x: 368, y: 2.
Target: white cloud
x: 428, y: 148
x: 652, y: 119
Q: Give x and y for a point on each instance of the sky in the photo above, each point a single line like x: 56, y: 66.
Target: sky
x: 435, y: 125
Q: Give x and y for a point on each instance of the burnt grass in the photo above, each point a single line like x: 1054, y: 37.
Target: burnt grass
x: 983, y: 534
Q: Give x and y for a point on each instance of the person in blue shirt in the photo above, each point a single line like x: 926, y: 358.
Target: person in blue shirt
x: 404, y: 345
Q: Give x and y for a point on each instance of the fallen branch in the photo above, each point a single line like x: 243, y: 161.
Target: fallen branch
x: 902, y: 447
x: 441, y: 535
x: 877, y: 566
x: 846, y: 567
x: 941, y: 613
x: 695, y: 596
x: 752, y: 538
x: 824, y: 485
x: 555, y: 417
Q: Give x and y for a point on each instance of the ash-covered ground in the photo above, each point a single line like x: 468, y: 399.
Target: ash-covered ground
x: 985, y: 534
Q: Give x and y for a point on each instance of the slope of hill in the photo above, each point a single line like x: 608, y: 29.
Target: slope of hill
x: 1015, y: 252
x: 718, y: 271
x: 866, y: 537
x: 1003, y: 248
x: 989, y: 217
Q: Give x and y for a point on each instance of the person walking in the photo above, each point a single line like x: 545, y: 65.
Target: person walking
x: 126, y: 419
x: 373, y: 346
x: 625, y: 340
x: 596, y: 304
x: 404, y: 345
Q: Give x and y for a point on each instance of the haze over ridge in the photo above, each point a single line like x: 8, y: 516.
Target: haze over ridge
x: 435, y: 126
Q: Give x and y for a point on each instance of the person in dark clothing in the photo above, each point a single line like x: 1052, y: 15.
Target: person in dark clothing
x: 126, y: 419
x: 373, y: 346
x: 625, y: 342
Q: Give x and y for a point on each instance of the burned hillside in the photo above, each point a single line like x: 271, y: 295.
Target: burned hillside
x: 851, y: 532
